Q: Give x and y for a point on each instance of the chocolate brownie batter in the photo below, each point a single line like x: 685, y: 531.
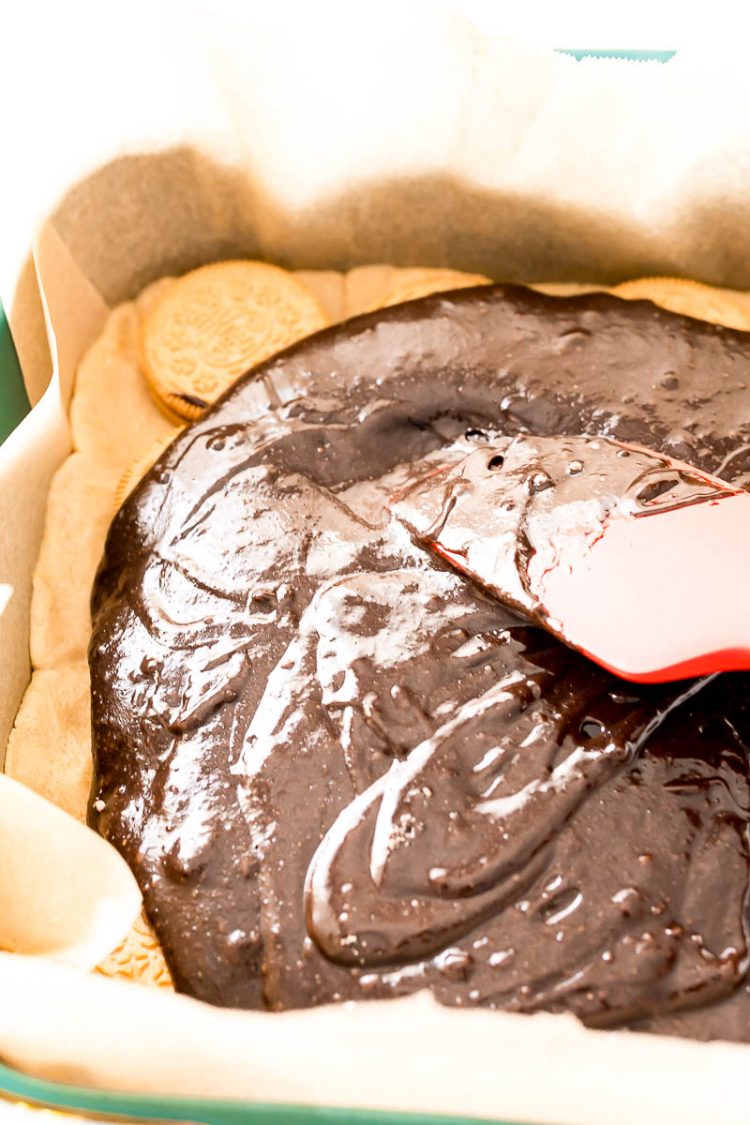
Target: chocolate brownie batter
x: 340, y: 770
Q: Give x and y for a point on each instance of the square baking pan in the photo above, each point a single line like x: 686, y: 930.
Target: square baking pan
x: 111, y: 1106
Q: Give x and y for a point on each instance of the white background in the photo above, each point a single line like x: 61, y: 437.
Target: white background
x: 719, y: 26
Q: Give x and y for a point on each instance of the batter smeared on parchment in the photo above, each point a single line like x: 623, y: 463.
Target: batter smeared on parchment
x: 339, y: 769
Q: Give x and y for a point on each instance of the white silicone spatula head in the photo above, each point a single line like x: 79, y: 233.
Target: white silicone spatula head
x: 636, y: 559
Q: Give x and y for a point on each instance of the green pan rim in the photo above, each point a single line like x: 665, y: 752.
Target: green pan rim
x: 202, y: 1111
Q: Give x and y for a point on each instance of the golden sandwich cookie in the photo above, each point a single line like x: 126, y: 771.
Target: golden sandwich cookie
x: 215, y: 323
x: 691, y: 298
x: 135, y: 472
x: 414, y: 283
x: 138, y: 957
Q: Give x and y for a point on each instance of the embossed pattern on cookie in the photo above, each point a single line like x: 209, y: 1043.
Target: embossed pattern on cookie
x: 215, y: 324
x: 138, y: 957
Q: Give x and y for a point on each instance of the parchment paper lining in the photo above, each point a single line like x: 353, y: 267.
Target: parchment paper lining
x: 475, y: 154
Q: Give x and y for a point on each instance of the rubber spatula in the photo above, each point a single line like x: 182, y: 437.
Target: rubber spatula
x: 637, y: 560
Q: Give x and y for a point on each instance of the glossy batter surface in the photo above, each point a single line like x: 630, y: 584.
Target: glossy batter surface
x: 339, y: 769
